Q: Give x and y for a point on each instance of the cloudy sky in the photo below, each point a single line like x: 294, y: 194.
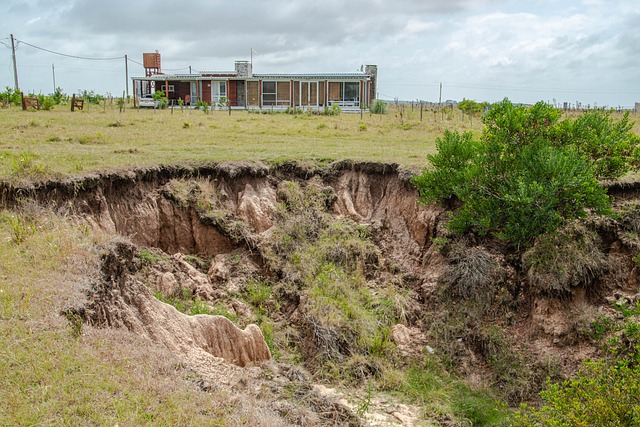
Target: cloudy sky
x: 581, y: 50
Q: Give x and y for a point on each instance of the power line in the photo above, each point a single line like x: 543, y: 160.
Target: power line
x: 135, y: 62
x: 509, y: 88
x: 175, y: 69
x: 70, y: 56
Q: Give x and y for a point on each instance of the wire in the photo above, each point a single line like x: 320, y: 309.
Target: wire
x: 135, y: 62
x: 509, y: 88
x: 175, y: 69
x: 70, y: 56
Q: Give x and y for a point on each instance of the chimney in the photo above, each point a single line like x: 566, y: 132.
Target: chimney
x: 372, y: 71
x: 243, y: 68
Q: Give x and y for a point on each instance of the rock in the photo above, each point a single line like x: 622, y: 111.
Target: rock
x: 168, y: 285
x: 409, y: 341
x: 256, y: 205
x: 219, y: 271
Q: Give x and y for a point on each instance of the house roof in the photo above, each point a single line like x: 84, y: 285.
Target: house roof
x: 208, y: 75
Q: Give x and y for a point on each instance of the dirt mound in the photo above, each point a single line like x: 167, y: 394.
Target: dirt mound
x: 118, y: 299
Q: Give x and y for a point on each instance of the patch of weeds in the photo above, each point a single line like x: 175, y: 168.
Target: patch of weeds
x: 150, y: 257
x: 116, y: 124
x: 199, y: 307
x: 268, y: 329
x: 442, y: 395
x: 54, y: 139
x: 627, y: 309
x: 408, y: 125
x: 599, y: 328
x: 345, y: 332
x: 321, y: 126
x: 197, y: 262
x: 439, y: 243
x: 473, y: 274
x: 559, y: 262
x: 90, y: 139
x: 127, y: 151
x: 257, y: 293
x: 362, y: 126
x: 75, y: 323
x: 182, y: 302
x: 20, y: 228
x: 186, y: 125
x: 365, y: 402
x: 27, y: 165
x: 220, y: 309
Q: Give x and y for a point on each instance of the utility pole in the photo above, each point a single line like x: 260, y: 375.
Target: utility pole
x: 189, y: 69
x: 440, y: 97
x: 53, y: 70
x: 126, y: 72
x: 15, y: 69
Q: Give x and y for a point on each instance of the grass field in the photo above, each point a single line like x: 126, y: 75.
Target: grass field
x: 59, y: 142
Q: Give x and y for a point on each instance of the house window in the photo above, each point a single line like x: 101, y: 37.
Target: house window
x: 164, y: 88
x: 269, y: 93
x: 350, y: 91
x: 276, y: 93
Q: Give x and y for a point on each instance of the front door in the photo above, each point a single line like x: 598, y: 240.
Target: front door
x: 240, y: 93
x: 194, y: 93
x: 309, y: 94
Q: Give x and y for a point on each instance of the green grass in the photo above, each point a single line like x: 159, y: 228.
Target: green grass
x: 53, y: 143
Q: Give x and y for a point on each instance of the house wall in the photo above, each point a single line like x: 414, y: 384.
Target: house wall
x: 296, y: 93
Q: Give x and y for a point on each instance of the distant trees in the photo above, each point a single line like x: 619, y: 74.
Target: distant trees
x: 472, y: 108
x: 529, y: 172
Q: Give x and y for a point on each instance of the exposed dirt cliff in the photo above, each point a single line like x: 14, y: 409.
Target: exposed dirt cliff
x: 218, y: 233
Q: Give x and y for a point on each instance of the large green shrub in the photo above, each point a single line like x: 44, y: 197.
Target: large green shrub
x: 529, y: 173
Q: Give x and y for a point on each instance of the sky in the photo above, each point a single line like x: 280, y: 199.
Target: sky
x: 556, y: 51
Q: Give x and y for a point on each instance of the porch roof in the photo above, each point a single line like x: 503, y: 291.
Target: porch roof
x: 312, y: 76
x: 228, y: 75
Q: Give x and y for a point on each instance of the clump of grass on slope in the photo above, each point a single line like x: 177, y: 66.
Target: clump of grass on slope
x: 346, y: 323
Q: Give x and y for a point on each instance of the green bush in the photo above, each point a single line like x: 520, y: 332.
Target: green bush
x: 517, y: 181
x: 379, y: 107
x: 602, y: 394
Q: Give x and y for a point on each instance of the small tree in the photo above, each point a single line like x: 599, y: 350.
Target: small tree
x: 161, y: 98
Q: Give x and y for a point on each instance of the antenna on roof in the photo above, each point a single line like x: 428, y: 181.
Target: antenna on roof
x: 252, y: 52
